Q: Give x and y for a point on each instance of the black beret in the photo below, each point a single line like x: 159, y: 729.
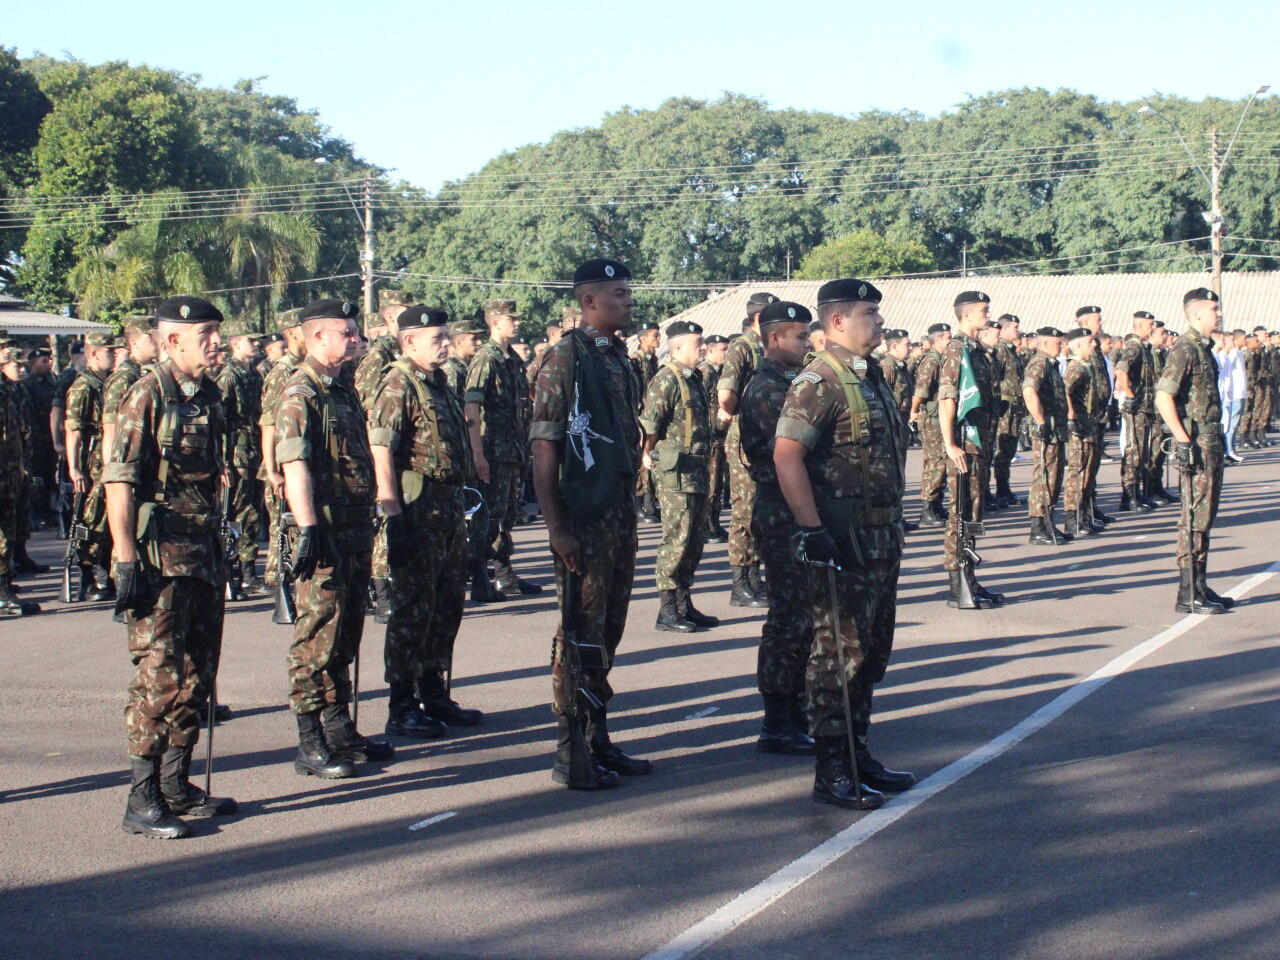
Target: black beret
x: 848, y: 290
x: 77, y: 347
x: 421, y: 316
x: 716, y: 338
x: 1048, y: 332
x: 758, y: 301
x: 991, y: 325
x: 1158, y: 323
x: 38, y: 352
x: 785, y: 311
x: 329, y: 310
x: 939, y: 328
x: 1008, y: 318
x: 888, y: 335
x: 682, y: 328
x: 1079, y: 332
x: 602, y: 269
x: 1085, y: 311
x: 815, y: 326
x: 1201, y: 293
x: 188, y: 310
x: 1144, y: 315
x: 971, y: 296
x: 271, y: 338
x: 734, y: 336
x: 647, y: 325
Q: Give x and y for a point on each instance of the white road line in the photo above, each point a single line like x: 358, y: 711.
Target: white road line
x: 436, y: 819
x: 745, y: 906
x: 702, y: 713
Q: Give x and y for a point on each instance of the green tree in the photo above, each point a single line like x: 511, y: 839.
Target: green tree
x: 865, y: 254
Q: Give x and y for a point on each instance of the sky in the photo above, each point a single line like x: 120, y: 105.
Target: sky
x: 433, y: 90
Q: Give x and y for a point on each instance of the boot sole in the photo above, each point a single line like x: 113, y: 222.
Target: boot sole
x: 749, y: 604
x: 563, y: 779
x: 1198, y: 609
x: 847, y: 804
x: 302, y: 770
x: 669, y: 628
x: 151, y: 833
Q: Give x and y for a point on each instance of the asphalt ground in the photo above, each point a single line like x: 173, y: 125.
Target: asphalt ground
x: 1139, y: 821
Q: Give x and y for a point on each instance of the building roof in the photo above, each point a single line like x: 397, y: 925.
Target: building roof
x: 19, y: 320
x: 1248, y: 299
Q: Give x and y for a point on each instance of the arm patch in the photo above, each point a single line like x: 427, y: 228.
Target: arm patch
x: 303, y: 389
x: 809, y: 377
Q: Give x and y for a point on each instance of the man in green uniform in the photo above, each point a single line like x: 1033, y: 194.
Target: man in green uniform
x: 41, y: 388
x: 1135, y: 392
x: 586, y: 449
x: 924, y: 410
x: 323, y: 448
x: 467, y: 336
x: 787, y: 634
x: 1082, y: 422
x: 83, y: 423
x: 744, y: 357
x: 138, y: 331
x: 241, y: 390
x: 422, y: 458
x: 710, y: 368
x: 496, y: 399
x: 1044, y: 395
x: 273, y: 350
x: 1187, y: 400
x: 1012, y: 408
x: 289, y: 327
x: 1090, y: 318
x: 24, y: 470
x: 677, y: 443
x: 840, y: 453
x: 163, y: 483
x: 644, y: 359
x: 15, y: 437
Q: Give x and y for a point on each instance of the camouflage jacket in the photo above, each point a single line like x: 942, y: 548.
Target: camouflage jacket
x: 1011, y: 371
x: 949, y: 379
x: 758, y: 414
x: 11, y: 442
x: 185, y: 519
x: 1190, y: 376
x: 242, y: 407
x: 1042, y: 377
x: 898, y: 377
x: 428, y: 438
x: 369, y: 374
x: 683, y: 430
x: 496, y: 381
x: 744, y: 356
x: 1101, y: 379
x: 84, y: 413
x: 455, y: 373
x: 125, y: 375
x: 42, y: 390
x: 926, y: 387
x: 646, y: 367
x: 858, y: 471
x: 62, y: 384
x: 1078, y: 386
x: 711, y: 384
x: 320, y: 421
x: 1135, y: 361
x: 273, y: 386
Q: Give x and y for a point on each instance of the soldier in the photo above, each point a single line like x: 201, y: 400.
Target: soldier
x: 1046, y: 402
x: 788, y: 627
x: 677, y: 444
x: 163, y: 483
x: 290, y: 327
x: 323, y: 448
x: 894, y: 367
x: 717, y: 349
x: 585, y: 412
x: 817, y: 338
x: 1012, y: 408
x: 422, y: 458
x: 273, y: 349
x: 1082, y: 422
x: 496, y: 400
x: 1135, y: 392
x: 924, y: 411
x: 744, y: 357
x: 1091, y: 319
x: 554, y: 333
x: 1262, y: 389
x: 964, y: 451
x: 15, y: 437
x: 138, y: 331
x: 84, y: 406
x: 241, y: 390
x: 644, y: 359
x: 1187, y: 400
x: 23, y: 469
x: 840, y: 454
x: 41, y: 388
x: 466, y: 336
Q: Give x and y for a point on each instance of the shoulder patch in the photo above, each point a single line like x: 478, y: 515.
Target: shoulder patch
x: 809, y: 377
x: 303, y: 389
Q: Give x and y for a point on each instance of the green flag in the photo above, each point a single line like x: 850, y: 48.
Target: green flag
x: 970, y: 398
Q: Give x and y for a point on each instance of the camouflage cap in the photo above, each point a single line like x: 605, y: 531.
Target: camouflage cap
x: 100, y: 338
x: 399, y: 298
x: 138, y: 323
x: 570, y: 314
x: 500, y: 308
x: 236, y: 328
x: 288, y: 319
x: 11, y: 355
x: 469, y: 325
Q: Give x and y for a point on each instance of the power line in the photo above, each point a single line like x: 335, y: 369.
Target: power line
x: 256, y: 286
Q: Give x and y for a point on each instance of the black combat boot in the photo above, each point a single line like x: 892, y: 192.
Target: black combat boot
x: 992, y: 502
x: 23, y: 564
x: 779, y: 733
x: 146, y: 811
x: 931, y: 514
x: 346, y: 742
x: 86, y: 583
x: 10, y: 605
x: 759, y: 585
x: 254, y: 585
x: 1098, y: 515
x: 437, y: 704
x: 980, y: 592
x: 1072, y: 527
x: 1041, y: 535
x: 649, y: 510
x: 314, y: 756
x: 960, y: 594
x: 743, y: 595
x: 506, y: 581
x: 381, y: 590
x: 221, y: 713
x: 876, y: 775
x: 1204, y: 593
x: 686, y: 609
x: 406, y: 719
x: 833, y: 777
x: 1159, y: 491
x: 603, y: 751
x: 482, y: 591
x: 715, y: 532
x: 1189, y: 598
x: 669, y: 618
x: 574, y: 766
x: 102, y: 588
x: 184, y: 797
x: 1126, y: 502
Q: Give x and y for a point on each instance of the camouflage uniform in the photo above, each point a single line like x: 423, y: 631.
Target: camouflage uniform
x: 676, y: 412
x: 44, y: 463
x: 744, y: 357
x: 933, y: 470
x: 718, y: 467
x: 1042, y: 377
x: 84, y: 413
x: 320, y: 422
x: 241, y: 390
x: 23, y: 467
x: 979, y: 462
x: 788, y: 627
x: 646, y: 368
x: 419, y: 418
x: 1012, y: 412
x: 1082, y: 451
x: 1142, y: 432
x: 863, y: 496
x: 368, y: 377
x: 1261, y: 392
x: 455, y: 372
x: 272, y: 388
x: 11, y: 459
x: 175, y: 647
x: 901, y: 383
x: 1101, y: 402
x: 128, y: 372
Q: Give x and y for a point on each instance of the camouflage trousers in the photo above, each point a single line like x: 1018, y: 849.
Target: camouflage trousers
x: 8, y: 526
x: 275, y: 506
x: 501, y: 494
x: 719, y: 482
x: 1006, y: 446
x: 97, y: 550
x: 246, y: 496
x: 868, y: 599
x: 378, y: 566
x: 979, y: 469
x: 1142, y: 432
x: 427, y: 595
x: 787, y: 635
x: 1258, y: 414
x: 1082, y: 460
x: 609, y: 559
x: 742, y: 494
x: 1091, y: 476
x: 1046, y: 477
x: 175, y: 650
x: 326, y: 638
x: 1200, y: 491
x: 684, y: 521
x: 933, y: 471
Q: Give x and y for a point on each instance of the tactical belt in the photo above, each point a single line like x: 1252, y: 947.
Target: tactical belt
x: 188, y: 524
x: 346, y: 515
x: 864, y: 516
x: 1207, y: 429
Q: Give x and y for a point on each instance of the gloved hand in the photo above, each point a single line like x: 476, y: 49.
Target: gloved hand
x: 1127, y: 405
x: 131, y: 588
x: 1044, y: 431
x: 1077, y: 428
x: 306, y: 554
x: 398, y: 552
x: 1184, y: 457
x: 814, y: 545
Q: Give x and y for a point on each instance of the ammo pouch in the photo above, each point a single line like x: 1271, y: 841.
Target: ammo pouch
x: 429, y: 504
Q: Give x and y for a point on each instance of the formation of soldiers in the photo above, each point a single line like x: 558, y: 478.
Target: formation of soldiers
x: 370, y: 460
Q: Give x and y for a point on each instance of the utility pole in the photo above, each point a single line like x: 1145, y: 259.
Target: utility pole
x: 366, y: 255
x: 788, y: 264
x: 1215, y: 210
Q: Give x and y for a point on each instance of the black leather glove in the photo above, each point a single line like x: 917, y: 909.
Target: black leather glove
x: 814, y: 545
x: 1184, y: 457
x: 131, y: 588
x: 1127, y: 405
x: 398, y: 552
x: 306, y: 554
x: 1077, y: 428
x: 1044, y: 432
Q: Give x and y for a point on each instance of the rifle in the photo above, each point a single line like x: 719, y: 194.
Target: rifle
x: 77, y: 534
x: 967, y: 552
x: 578, y: 657
x: 479, y: 541
x: 286, y: 611
x: 66, y: 496
x: 230, y: 533
x: 833, y: 598
x: 1048, y: 486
